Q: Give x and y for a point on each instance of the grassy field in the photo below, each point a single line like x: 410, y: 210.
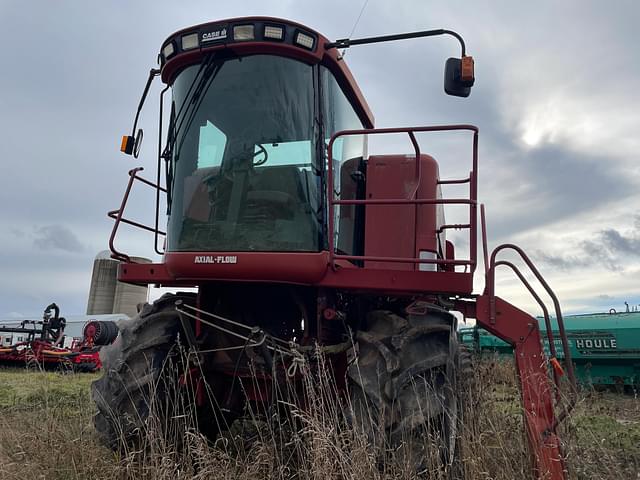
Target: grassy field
x: 46, y: 431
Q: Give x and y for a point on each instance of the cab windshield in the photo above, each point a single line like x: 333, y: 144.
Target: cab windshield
x: 248, y: 154
x: 244, y: 173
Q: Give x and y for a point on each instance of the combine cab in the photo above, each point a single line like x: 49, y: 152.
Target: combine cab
x: 298, y: 238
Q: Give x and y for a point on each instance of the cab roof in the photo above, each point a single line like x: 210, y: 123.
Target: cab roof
x: 245, y: 36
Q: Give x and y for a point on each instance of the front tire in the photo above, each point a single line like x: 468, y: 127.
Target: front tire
x: 139, y: 369
x: 403, y: 387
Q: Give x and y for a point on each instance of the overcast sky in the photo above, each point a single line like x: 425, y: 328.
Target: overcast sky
x: 556, y: 99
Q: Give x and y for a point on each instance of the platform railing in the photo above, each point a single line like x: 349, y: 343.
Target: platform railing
x: 471, y: 201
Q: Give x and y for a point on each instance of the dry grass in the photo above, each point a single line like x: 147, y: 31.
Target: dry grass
x: 46, y: 431
x: 46, y: 428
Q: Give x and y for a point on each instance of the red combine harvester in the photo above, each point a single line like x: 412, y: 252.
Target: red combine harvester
x: 40, y: 343
x: 296, y: 236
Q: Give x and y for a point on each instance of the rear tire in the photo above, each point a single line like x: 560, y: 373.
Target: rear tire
x: 138, y: 372
x: 403, y: 387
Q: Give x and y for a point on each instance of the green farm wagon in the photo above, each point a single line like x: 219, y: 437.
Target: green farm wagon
x: 605, y: 347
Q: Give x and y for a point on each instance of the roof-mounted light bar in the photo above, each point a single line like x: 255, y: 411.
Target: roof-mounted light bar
x: 242, y: 31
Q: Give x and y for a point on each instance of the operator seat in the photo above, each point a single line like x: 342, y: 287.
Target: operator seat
x: 279, y: 187
x: 277, y: 201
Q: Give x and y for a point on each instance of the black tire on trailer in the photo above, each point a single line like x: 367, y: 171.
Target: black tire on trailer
x: 105, y: 331
x: 138, y: 368
x: 85, y: 367
x: 403, y: 387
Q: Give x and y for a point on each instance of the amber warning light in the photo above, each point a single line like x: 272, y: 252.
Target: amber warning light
x: 127, y: 144
x: 466, y: 71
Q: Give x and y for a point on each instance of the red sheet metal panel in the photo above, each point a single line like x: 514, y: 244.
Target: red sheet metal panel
x: 400, y: 230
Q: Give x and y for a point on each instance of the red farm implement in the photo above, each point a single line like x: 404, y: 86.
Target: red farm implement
x: 41, y: 343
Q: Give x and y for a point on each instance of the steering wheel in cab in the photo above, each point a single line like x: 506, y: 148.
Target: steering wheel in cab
x: 261, y: 150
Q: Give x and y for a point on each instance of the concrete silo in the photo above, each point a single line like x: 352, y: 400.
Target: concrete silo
x: 103, y: 285
x: 127, y: 297
x: 107, y: 295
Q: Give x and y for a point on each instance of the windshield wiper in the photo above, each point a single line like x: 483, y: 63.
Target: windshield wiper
x: 193, y: 99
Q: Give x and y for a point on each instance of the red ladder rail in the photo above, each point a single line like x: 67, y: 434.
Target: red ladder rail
x: 118, y: 216
x: 490, y: 292
x: 537, y: 391
x: 522, y: 331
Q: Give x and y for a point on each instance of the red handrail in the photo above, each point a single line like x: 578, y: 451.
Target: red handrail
x: 118, y: 215
x: 413, y: 200
x: 490, y: 291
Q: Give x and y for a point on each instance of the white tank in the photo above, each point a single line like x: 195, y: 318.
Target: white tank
x: 103, y: 285
x: 127, y: 297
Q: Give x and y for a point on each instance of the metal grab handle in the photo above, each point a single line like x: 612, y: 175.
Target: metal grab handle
x: 545, y: 313
x: 490, y: 291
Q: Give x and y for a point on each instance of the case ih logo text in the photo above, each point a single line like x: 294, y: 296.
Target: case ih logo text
x: 215, y: 35
x: 215, y: 259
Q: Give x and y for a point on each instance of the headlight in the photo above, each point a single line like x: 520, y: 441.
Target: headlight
x: 190, y: 41
x: 273, y: 33
x: 243, y: 32
x: 304, y: 40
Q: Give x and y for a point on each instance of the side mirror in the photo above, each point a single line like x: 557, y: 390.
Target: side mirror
x: 138, y: 143
x: 131, y: 145
x: 459, y: 76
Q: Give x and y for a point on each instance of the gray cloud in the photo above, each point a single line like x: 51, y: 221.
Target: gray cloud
x: 619, y: 243
x: 609, y: 248
x: 596, y: 254
x: 561, y: 262
x: 57, y: 237
x: 552, y: 183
